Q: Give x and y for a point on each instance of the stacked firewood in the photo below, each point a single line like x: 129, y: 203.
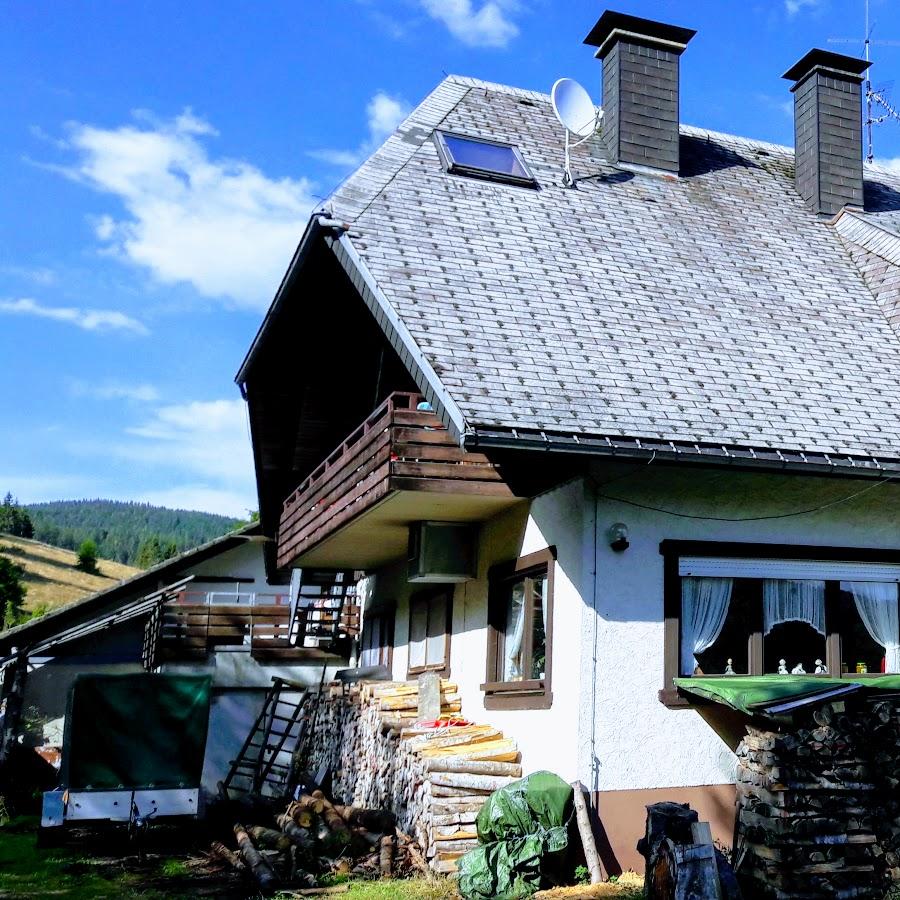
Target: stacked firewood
x: 314, y: 839
x: 819, y: 803
x: 433, y: 780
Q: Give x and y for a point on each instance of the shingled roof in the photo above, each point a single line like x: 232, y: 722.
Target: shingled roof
x: 711, y: 309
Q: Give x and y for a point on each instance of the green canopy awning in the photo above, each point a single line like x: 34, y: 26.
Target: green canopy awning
x: 771, y: 694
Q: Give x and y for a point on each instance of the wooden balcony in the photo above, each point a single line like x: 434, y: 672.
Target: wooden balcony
x: 399, y: 466
x: 189, y: 628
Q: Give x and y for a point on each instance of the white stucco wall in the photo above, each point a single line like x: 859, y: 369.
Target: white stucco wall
x: 628, y: 739
x: 548, y: 739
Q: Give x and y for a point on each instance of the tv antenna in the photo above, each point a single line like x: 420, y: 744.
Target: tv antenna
x: 874, y: 98
x: 577, y: 114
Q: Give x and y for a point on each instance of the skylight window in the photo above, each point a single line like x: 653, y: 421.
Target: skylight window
x: 479, y: 158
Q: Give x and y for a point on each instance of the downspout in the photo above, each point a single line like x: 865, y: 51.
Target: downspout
x: 590, y: 583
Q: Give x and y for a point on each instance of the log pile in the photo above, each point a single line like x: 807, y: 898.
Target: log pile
x: 314, y: 839
x: 433, y: 781
x: 819, y: 803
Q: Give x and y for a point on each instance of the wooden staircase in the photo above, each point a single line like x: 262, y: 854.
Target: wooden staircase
x: 264, y: 765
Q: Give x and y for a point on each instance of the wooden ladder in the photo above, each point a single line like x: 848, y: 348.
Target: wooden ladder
x: 264, y: 764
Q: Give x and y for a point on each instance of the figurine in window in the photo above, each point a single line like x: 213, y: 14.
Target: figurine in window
x: 820, y: 668
x: 728, y: 669
x: 782, y: 667
x: 798, y: 669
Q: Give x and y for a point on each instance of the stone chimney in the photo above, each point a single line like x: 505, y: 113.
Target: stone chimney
x: 828, y: 130
x: 640, y: 89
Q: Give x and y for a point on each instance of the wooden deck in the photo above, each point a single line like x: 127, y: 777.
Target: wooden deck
x: 191, y: 631
x: 398, y: 448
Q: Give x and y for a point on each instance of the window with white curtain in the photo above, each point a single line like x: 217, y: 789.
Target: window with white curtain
x: 520, y: 616
x: 774, y: 616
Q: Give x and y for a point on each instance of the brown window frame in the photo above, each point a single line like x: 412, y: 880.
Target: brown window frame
x: 426, y: 597
x: 528, y: 694
x: 386, y: 634
x: 673, y: 550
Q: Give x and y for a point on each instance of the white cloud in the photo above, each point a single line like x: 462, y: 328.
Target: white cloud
x: 780, y: 104
x: 488, y: 26
x: 37, y: 275
x: 220, y: 225
x: 383, y: 114
x: 795, y: 6
x: 88, y: 319
x: 202, y: 448
x: 892, y: 164
x: 114, y: 390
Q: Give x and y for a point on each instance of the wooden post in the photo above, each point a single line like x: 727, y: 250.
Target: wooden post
x: 587, y: 835
x: 429, y: 696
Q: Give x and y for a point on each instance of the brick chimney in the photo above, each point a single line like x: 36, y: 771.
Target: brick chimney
x: 828, y: 130
x: 640, y: 89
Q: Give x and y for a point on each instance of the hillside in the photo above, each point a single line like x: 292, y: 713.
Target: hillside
x: 50, y: 574
x: 119, y: 529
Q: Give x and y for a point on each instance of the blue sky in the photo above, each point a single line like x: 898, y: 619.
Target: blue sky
x: 160, y: 158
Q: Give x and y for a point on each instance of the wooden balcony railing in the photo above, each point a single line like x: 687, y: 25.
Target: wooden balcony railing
x: 397, y: 448
x: 189, y: 627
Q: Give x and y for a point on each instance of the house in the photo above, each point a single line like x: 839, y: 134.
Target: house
x: 586, y: 439
x: 209, y: 611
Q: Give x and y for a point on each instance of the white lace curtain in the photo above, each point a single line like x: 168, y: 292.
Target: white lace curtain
x: 876, y: 602
x: 793, y: 601
x: 704, y: 608
x: 515, y: 632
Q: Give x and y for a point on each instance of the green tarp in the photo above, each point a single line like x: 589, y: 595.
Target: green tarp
x: 752, y: 694
x: 135, y: 731
x: 523, y: 835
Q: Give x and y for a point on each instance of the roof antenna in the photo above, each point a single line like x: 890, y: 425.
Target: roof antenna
x: 873, y: 97
x: 577, y: 114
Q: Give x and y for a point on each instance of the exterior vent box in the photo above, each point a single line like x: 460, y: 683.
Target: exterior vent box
x: 441, y: 552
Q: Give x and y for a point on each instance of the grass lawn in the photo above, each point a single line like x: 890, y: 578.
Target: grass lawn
x: 94, y: 871
x: 29, y: 871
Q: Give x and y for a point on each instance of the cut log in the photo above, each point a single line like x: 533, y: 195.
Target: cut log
x: 472, y: 767
x: 587, y: 834
x: 219, y: 851
x: 269, y: 839
x: 474, y: 782
x: 258, y: 865
x: 299, y: 836
x: 386, y: 856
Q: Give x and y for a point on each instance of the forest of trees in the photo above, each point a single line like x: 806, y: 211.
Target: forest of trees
x: 136, y: 534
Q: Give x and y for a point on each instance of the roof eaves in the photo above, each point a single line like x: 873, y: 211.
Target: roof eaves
x: 759, y: 458
x: 398, y: 334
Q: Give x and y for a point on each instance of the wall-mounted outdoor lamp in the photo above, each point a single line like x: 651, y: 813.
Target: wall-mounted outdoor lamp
x: 618, y: 537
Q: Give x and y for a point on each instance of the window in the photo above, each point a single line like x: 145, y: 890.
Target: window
x: 377, y: 643
x: 744, y: 610
x: 478, y: 158
x: 520, y: 631
x: 429, y: 632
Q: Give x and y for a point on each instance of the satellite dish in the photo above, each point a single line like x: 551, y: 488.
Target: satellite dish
x: 576, y: 111
x: 574, y: 108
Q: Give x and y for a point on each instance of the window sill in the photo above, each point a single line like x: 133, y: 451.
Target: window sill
x: 517, y: 695
x: 674, y: 699
x: 443, y: 671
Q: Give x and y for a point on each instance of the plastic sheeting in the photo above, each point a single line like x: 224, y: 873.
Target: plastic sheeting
x: 523, y: 835
x: 752, y: 694
x: 135, y: 731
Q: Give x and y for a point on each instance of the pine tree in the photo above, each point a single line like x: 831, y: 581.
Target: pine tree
x: 87, y: 556
x: 13, y: 519
x: 12, y: 592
